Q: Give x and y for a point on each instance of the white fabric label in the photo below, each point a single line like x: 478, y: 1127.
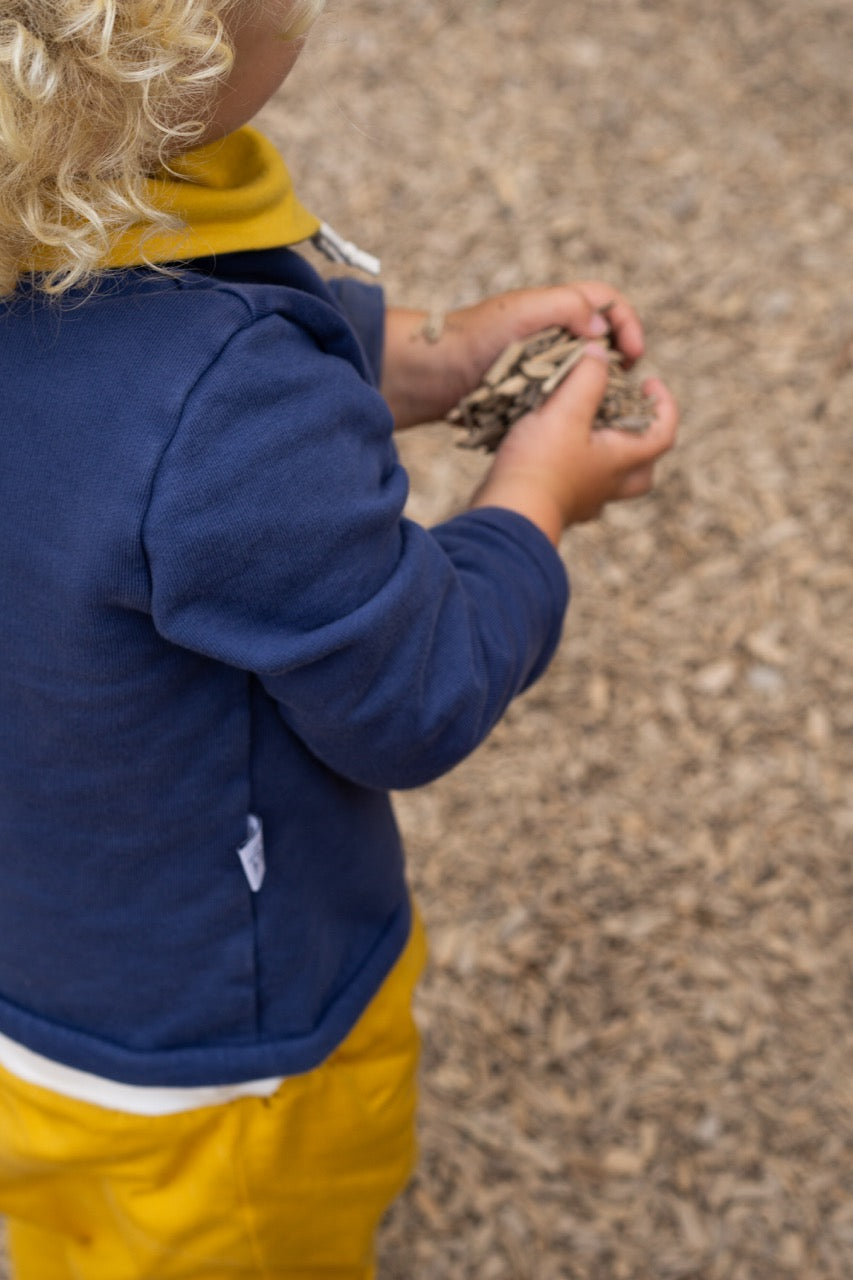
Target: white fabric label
x: 251, y: 854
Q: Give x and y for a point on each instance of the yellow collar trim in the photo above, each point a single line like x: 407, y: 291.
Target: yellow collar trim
x: 229, y: 195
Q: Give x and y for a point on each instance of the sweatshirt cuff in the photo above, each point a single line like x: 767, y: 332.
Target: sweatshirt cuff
x: 547, y: 572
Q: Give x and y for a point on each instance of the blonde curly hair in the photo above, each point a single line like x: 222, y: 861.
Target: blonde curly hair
x: 94, y: 96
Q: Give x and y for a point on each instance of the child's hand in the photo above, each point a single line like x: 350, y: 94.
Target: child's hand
x: 554, y: 468
x: 425, y: 374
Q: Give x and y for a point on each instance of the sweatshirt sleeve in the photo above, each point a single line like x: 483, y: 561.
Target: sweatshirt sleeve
x: 277, y: 543
x: 364, y: 306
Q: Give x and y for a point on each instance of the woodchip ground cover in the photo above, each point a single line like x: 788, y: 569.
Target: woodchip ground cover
x: 638, y: 1018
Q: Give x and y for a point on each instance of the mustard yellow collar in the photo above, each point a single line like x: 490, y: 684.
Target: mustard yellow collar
x: 229, y: 195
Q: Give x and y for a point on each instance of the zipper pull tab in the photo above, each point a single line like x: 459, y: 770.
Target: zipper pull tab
x: 339, y: 250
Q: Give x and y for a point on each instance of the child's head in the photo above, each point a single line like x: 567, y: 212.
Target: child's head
x: 265, y: 40
x: 96, y: 94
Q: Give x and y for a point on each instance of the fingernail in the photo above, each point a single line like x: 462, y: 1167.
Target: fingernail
x: 599, y: 350
x: 598, y: 326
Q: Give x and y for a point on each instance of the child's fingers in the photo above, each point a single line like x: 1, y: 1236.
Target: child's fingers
x: 664, y: 427
x: 577, y: 399
x: 625, y: 326
x: 565, y: 417
x: 635, y: 450
x: 573, y: 307
x: 639, y: 482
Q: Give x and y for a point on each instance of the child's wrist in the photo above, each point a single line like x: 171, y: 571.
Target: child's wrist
x: 528, y: 497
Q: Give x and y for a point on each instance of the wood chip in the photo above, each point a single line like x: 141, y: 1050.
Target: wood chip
x: 526, y: 373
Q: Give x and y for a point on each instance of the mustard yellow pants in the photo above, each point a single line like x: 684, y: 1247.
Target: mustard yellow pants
x: 290, y: 1187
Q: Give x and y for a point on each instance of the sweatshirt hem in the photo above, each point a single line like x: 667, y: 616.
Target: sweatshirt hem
x: 211, y: 1066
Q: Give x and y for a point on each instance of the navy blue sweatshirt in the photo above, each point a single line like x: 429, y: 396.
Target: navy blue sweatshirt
x: 216, y: 622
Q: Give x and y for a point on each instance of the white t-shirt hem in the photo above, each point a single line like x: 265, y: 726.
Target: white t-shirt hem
x: 139, y: 1100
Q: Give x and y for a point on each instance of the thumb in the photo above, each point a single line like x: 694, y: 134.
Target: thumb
x: 579, y: 396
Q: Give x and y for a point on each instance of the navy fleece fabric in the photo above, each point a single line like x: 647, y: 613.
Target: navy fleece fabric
x: 212, y: 606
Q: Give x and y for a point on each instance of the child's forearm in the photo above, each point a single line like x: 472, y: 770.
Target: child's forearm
x: 423, y: 370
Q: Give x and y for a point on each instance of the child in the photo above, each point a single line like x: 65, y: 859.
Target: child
x: 222, y: 645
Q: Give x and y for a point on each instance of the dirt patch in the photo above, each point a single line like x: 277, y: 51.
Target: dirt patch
x: 637, y: 1020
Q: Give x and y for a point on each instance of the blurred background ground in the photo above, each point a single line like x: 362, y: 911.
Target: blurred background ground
x: 637, y: 1019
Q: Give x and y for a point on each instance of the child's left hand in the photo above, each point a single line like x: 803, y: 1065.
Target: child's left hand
x: 425, y: 374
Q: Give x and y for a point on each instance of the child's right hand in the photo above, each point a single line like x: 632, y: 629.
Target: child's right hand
x: 556, y: 470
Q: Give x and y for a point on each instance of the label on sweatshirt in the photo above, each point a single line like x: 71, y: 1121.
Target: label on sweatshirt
x: 251, y: 854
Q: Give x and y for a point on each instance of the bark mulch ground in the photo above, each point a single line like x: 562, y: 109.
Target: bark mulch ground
x: 637, y: 1019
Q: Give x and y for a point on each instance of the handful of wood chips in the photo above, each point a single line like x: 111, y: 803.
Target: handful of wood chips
x: 526, y: 373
